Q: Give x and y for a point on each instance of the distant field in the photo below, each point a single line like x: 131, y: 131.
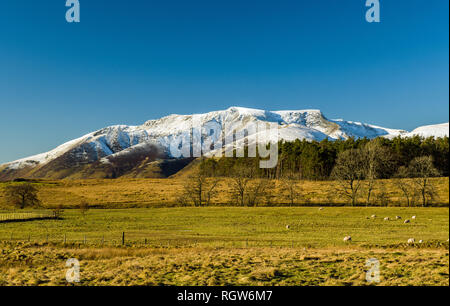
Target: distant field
x: 120, y: 193
x: 233, y: 226
x: 229, y: 246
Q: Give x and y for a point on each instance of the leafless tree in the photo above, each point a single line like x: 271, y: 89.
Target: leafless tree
x: 376, y: 159
x: 405, y: 185
x: 382, y: 197
x: 421, y: 169
x: 269, y: 196
x: 200, y: 189
x: 240, y: 181
x: 256, y: 191
x: 290, y: 185
x: 22, y: 195
x: 349, y: 173
x: 211, y: 189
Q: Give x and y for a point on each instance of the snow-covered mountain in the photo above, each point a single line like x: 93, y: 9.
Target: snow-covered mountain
x: 435, y: 130
x: 113, y: 147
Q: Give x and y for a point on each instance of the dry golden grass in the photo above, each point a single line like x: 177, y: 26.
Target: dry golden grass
x: 165, y: 192
x: 30, y: 264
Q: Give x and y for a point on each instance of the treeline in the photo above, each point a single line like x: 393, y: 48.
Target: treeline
x: 314, y: 160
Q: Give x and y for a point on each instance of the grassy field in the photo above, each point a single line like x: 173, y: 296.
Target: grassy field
x: 233, y: 226
x: 31, y: 264
x: 121, y: 193
x: 229, y: 246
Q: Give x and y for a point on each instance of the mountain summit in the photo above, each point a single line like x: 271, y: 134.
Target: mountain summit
x: 144, y: 150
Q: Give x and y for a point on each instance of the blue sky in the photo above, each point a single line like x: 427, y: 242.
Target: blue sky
x: 130, y: 61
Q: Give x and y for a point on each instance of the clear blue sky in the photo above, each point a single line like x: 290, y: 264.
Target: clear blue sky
x: 130, y: 61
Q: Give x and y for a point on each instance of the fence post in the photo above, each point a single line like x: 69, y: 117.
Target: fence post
x: 65, y: 238
x: 84, y: 239
x: 123, y: 238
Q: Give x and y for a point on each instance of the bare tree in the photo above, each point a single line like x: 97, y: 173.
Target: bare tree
x: 256, y: 191
x: 269, y: 196
x: 182, y: 199
x: 240, y: 180
x: 290, y: 185
x: 211, y: 189
x: 405, y: 185
x: 382, y: 197
x: 200, y: 189
x: 376, y: 159
x: 349, y: 173
x: 22, y: 195
x: 421, y: 169
x: 194, y: 188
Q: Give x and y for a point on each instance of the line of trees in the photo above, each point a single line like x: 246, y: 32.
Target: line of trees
x: 356, y: 166
x: 357, y: 170
x: 314, y: 160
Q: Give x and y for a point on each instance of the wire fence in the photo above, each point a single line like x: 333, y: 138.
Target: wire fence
x: 130, y: 239
x: 134, y: 239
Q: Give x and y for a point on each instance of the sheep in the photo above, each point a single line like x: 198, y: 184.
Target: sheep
x: 397, y: 217
x: 373, y: 216
x: 420, y: 241
x: 413, y: 217
x: 288, y: 226
x: 386, y: 219
x: 347, y: 238
x: 411, y: 240
x: 406, y: 221
x: 320, y: 208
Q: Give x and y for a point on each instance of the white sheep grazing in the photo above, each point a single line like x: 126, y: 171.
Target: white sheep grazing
x: 386, y: 219
x: 406, y: 221
x: 420, y: 241
x: 373, y: 216
x: 320, y: 208
x: 288, y: 226
x: 347, y: 238
x: 411, y: 240
x: 397, y: 217
x: 413, y: 217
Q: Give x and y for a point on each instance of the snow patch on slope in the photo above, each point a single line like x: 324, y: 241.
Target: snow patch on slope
x: 434, y: 130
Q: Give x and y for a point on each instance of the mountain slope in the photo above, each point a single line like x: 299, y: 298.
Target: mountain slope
x: 435, y: 130
x: 135, y: 150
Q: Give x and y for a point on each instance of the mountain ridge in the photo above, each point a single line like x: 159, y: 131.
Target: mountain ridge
x: 112, y: 150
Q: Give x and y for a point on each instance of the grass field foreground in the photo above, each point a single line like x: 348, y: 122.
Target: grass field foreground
x: 229, y: 246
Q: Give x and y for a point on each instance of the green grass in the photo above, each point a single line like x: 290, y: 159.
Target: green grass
x: 208, y: 246
x: 232, y: 227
